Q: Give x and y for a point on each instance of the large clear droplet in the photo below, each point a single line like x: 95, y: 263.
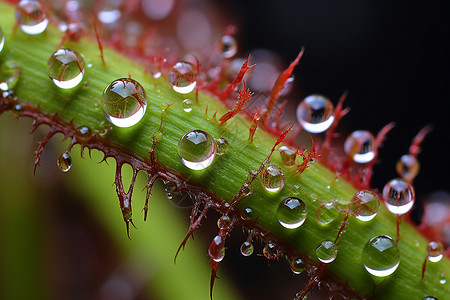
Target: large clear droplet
x: 272, y: 178
x: 66, y: 68
x: 399, y: 196
x: 124, y: 102
x: 228, y: 46
x: 187, y: 105
x: 2, y: 40
x: 315, y: 113
x: 31, y: 16
x: 197, y: 149
x: 435, y: 251
x: 407, y: 167
x: 291, y: 213
x: 217, y: 249
x: 326, y: 252
x: 9, y: 75
x: 364, y: 205
x: 381, y: 256
x: 247, y: 248
x: 182, y: 77
x: 360, y: 146
x: 297, y: 266
x: 287, y: 155
x: 222, y: 146
x: 327, y: 213
x: 64, y: 162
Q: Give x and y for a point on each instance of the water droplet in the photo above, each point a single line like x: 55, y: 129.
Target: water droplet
x: 399, y: 196
x: 31, y: 17
x: 228, y: 46
x: 84, y: 130
x: 187, y: 105
x: 217, y: 249
x: 442, y: 278
x: 429, y: 298
x: 364, y: 205
x: 435, y: 251
x: 110, y: 12
x: 197, y: 149
x: 249, y: 214
x: 124, y: 102
x: 360, y: 146
x: 18, y: 109
x: 9, y: 75
x: 407, y: 167
x: 103, y: 128
x: 66, y: 68
x: 297, y: 266
x: 291, y: 213
x: 247, y: 248
x: 222, y: 146
x: 326, y: 252
x: 272, y: 178
x: 315, y: 113
x: 224, y: 222
x: 270, y: 250
x: 287, y: 155
x: 381, y: 256
x: 2, y: 40
x: 327, y: 213
x: 182, y: 77
x: 65, y: 162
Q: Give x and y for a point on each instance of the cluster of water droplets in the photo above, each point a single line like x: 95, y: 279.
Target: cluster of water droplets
x: 124, y: 102
x: 66, y: 68
x: 360, y: 146
x: 31, y: 16
x: 315, y: 113
x: 399, y: 196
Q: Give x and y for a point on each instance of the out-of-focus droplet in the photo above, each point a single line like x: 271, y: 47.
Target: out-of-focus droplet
x: 435, y: 251
x: 66, y: 68
x: 381, y: 256
x: 288, y: 155
x: 326, y: 252
x: 9, y: 75
x: 291, y: 213
x: 64, y: 162
x: 182, y: 77
x: 197, y: 149
x: 156, y: 9
x: 2, y: 40
x: 360, y: 146
x: 407, y: 167
x: 272, y: 178
x: 228, y: 46
x: 124, y: 102
x: 222, y: 146
x: 110, y: 12
x: 399, y: 196
x: 31, y: 16
x: 315, y: 113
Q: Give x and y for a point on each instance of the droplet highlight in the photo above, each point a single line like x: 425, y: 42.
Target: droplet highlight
x: 216, y: 249
x: 399, y: 196
x: 435, y: 251
x: 297, y: 266
x: 292, y: 213
x: 31, y: 17
x: 64, y: 162
x: 182, y: 77
x: 288, y: 156
x: 272, y: 178
x: 315, y: 113
x: 407, y: 167
x: 381, y: 256
x: 197, y: 149
x: 66, y: 68
x: 326, y: 252
x: 187, y: 105
x: 124, y: 102
x: 360, y: 146
x: 247, y: 248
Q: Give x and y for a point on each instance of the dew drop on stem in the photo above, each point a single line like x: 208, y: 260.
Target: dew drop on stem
x: 66, y: 68
x: 297, y: 266
x: 399, y: 196
x: 315, y: 113
x: 31, y: 16
x: 381, y: 256
x: 272, y: 178
x: 216, y: 249
x: 360, y: 146
x: 326, y: 252
x: 249, y: 214
x: 197, y: 149
x: 247, y: 248
x: 124, y: 102
x: 287, y: 155
x: 224, y: 222
x: 64, y: 162
x: 182, y: 77
x: 291, y: 213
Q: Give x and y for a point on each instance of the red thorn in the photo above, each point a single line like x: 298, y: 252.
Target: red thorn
x: 424, y: 266
x: 254, y: 125
x: 214, y: 266
x: 244, y: 96
x: 100, y: 46
x: 307, y: 158
x: 414, y: 149
x: 279, y: 85
x: 232, y: 86
x: 279, y: 112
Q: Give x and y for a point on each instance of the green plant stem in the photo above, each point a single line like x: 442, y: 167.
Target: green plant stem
x: 228, y: 173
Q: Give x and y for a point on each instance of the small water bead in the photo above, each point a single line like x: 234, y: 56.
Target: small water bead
x: 66, y: 68
x: 442, y: 278
x: 381, y: 256
x: 407, y: 167
x: 103, y: 128
x: 182, y: 77
x: 435, y: 251
x: 222, y: 146
x: 326, y: 252
x: 197, y: 149
x: 247, y: 248
x: 9, y: 75
x: 315, y: 113
x: 360, y: 146
x: 228, y: 46
x: 2, y: 40
x: 429, y: 298
x: 291, y: 213
x: 270, y: 250
x: 18, y: 109
x: 124, y: 102
x: 249, y: 214
x: 187, y: 105
x: 327, y: 213
x: 272, y: 178
x: 65, y: 162
x: 31, y: 17
x: 216, y: 249
x: 288, y: 156
x: 364, y: 205
x: 298, y: 266
x: 399, y: 196
x: 224, y: 222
